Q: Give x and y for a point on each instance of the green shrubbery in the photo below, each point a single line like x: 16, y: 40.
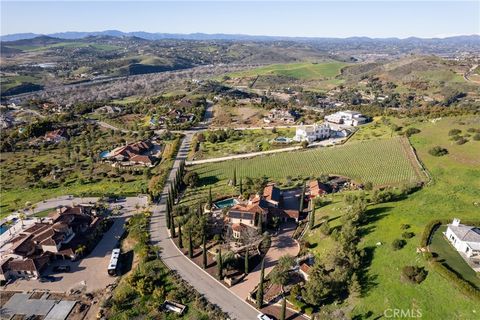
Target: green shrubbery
x: 438, y: 151
x: 414, y: 274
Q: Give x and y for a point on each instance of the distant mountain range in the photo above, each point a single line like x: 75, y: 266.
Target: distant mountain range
x: 72, y: 35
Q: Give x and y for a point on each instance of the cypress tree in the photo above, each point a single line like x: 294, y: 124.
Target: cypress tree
x: 312, y: 217
x: 190, y: 243
x: 172, y: 227
x: 302, y: 198
x: 204, y: 251
x: 180, y: 241
x: 220, y: 264
x: 210, y: 198
x: 260, y: 285
x: 260, y: 224
x: 234, y: 181
x: 167, y: 213
x: 240, y: 186
x: 284, y: 309
x: 246, y: 261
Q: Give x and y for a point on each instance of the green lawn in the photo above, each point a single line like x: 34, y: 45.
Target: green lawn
x: 449, y: 256
x: 303, y: 70
x: 381, y: 162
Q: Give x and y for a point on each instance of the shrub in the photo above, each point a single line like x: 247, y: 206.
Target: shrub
x: 325, y: 228
x: 438, y: 151
x: 461, y: 141
x: 408, y: 235
x: 476, y: 137
x: 405, y: 226
x: 411, y: 131
x: 454, y: 132
x: 414, y: 274
x: 398, y: 244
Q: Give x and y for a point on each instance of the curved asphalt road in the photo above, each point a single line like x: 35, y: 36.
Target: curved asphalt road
x: 213, y: 290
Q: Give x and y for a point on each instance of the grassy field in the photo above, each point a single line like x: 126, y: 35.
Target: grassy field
x: 302, y: 71
x: 455, y: 188
x: 380, y: 162
x: 250, y: 141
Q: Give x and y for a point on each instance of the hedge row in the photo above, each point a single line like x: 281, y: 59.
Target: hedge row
x: 464, y: 286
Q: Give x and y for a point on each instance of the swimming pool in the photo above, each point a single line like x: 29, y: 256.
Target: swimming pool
x: 3, y: 229
x: 226, y: 203
x: 104, y: 154
x: 282, y: 140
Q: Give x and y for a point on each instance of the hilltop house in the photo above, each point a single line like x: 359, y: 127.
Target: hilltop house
x: 313, y: 132
x: 465, y: 239
x: 55, y: 237
x: 56, y: 136
x: 132, y: 154
x: 350, y: 118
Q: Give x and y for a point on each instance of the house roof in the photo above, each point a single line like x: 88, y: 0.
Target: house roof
x: 317, y: 188
x: 29, y: 264
x: 305, y: 267
x: 239, y: 227
x: 271, y: 193
x: 240, y: 214
x: 466, y: 233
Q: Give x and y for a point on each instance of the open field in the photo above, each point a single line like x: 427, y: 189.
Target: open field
x: 241, y: 116
x: 304, y: 70
x: 455, y: 188
x: 249, y: 141
x: 380, y: 162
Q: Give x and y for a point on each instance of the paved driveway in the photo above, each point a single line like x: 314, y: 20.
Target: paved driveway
x: 282, y: 244
x: 213, y: 290
x: 90, y: 272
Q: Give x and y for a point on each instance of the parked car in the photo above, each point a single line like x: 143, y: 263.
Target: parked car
x: 61, y: 268
x: 262, y: 316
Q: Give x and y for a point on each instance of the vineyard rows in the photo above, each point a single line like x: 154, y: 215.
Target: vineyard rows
x: 380, y: 162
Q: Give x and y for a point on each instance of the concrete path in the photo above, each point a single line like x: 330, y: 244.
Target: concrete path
x: 323, y: 143
x: 213, y: 290
x: 282, y: 244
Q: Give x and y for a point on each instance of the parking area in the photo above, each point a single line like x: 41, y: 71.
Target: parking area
x: 88, y: 274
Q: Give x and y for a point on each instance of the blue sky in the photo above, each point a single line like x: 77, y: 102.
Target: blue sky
x: 284, y: 18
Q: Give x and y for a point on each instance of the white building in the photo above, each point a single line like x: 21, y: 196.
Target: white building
x: 465, y: 239
x: 313, y: 132
x: 351, y: 118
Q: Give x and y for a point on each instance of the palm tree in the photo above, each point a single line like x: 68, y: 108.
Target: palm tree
x: 22, y: 217
x: 9, y: 224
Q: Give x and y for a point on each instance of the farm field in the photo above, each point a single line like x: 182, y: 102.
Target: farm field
x: 302, y: 71
x: 380, y: 162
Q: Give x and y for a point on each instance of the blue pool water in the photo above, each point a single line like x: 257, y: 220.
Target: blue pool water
x: 226, y: 203
x: 104, y: 154
x: 3, y: 229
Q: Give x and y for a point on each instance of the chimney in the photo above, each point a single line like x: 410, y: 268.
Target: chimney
x: 456, y: 222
